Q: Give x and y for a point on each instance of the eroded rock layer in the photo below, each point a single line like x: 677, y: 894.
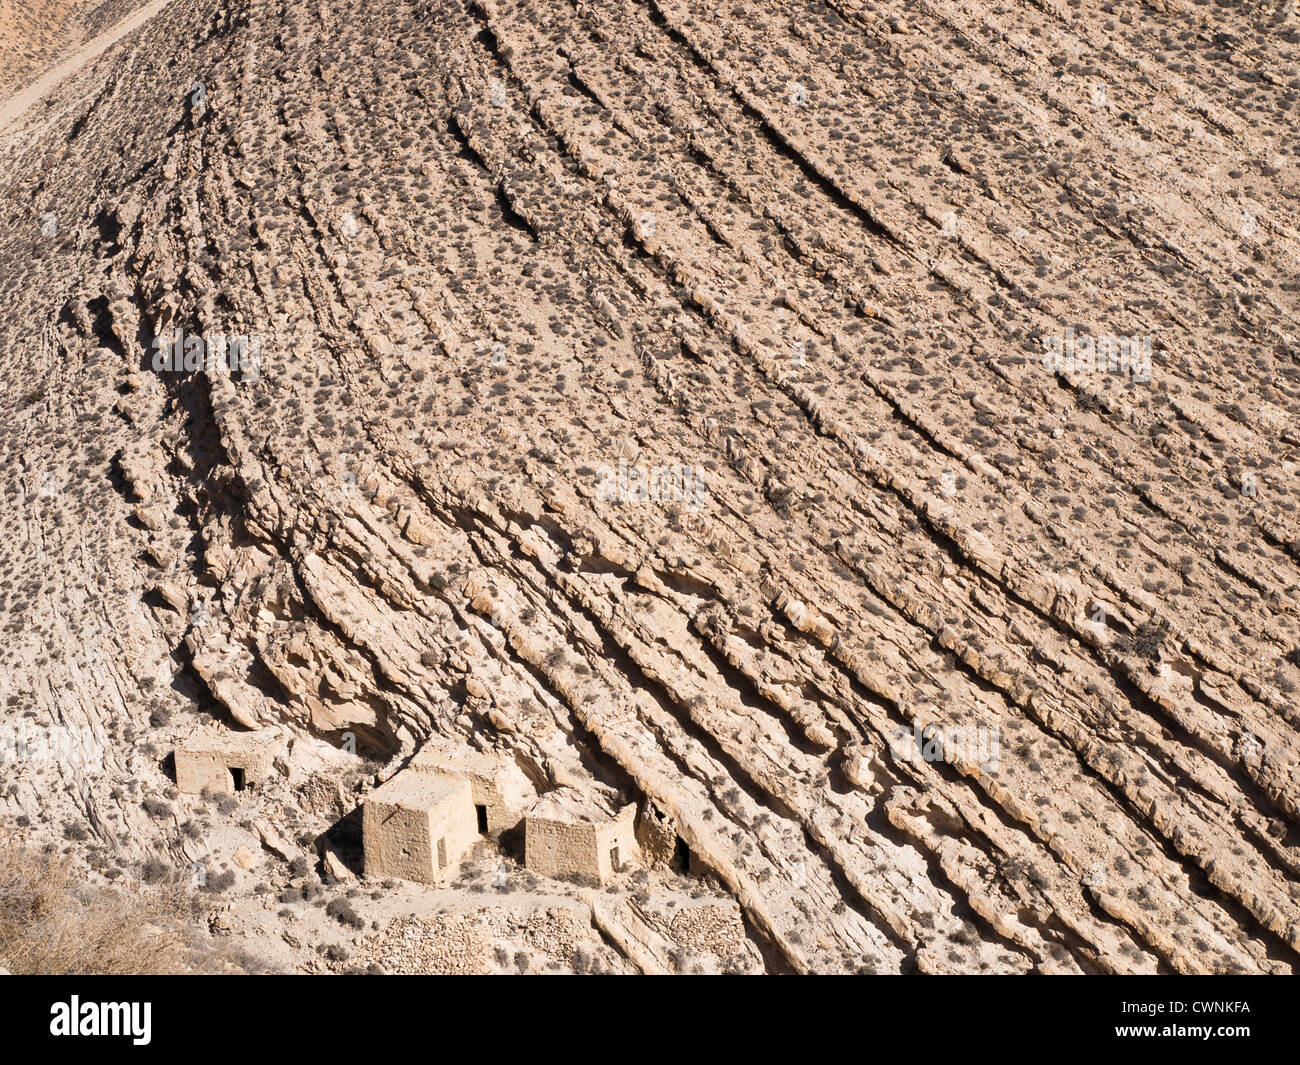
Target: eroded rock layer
x: 655, y: 390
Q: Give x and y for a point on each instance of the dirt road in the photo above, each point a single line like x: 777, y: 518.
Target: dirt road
x: 14, y: 107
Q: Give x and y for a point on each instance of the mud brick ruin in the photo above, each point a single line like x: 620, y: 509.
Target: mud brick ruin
x: 222, y: 763
x: 574, y: 836
x: 417, y: 826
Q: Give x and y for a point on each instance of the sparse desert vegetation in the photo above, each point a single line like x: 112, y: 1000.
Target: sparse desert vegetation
x: 54, y: 923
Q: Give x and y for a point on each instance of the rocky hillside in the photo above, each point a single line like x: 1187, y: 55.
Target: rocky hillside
x: 36, y: 34
x: 863, y: 434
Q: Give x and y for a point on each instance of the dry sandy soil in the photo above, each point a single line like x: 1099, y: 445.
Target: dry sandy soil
x: 37, y: 34
x: 661, y: 393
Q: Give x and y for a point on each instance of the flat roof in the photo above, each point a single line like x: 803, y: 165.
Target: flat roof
x: 570, y: 804
x: 213, y: 742
x: 420, y: 791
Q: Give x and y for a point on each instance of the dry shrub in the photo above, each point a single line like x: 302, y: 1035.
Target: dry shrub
x: 53, y: 923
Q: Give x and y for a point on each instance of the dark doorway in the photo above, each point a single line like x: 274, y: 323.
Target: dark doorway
x: 613, y: 859
x: 482, y: 817
x: 681, y: 856
x: 237, y: 775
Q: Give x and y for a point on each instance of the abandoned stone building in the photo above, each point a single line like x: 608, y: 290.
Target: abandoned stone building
x: 499, y: 789
x: 656, y: 836
x: 422, y: 821
x: 417, y: 826
x: 223, y: 762
x: 571, y: 835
